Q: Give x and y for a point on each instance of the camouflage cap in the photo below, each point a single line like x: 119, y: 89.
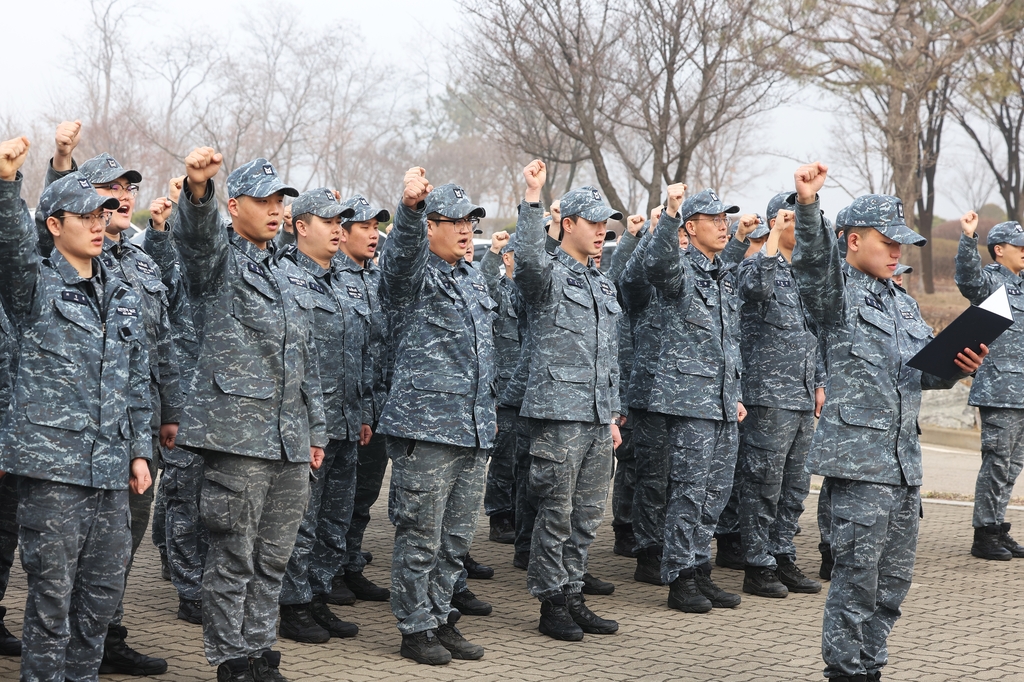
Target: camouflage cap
x: 322, y: 203
x: 902, y: 269
x: 510, y: 246
x: 1009, y: 232
x: 75, y: 194
x: 884, y: 213
x: 782, y: 200
x: 705, y: 202
x: 363, y: 211
x: 841, y: 218
x: 104, y: 169
x: 257, y: 179
x: 587, y: 203
x: 762, y: 229
x: 451, y: 201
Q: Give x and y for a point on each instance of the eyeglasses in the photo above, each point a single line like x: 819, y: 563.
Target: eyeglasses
x: 92, y: 218
x: 461, y: 224
x: 117, y: 188
x: 717, y: 220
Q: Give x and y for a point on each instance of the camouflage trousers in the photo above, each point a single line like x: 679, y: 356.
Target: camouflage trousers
x: 75, y: 543
x: 252, y: 509
x: 1002, y: 456
x: 185, y: 535
x: 773, y: 481
x: 373, y: 462
x: 319, y: 551
x: 141, y: 507
x: 874, y: 541
x: 159, y: 526
x: 650, y: 434
x: 624, y: 480
x: 526, y: 499
x: 434, y: 503
x: 702, y: 459
x: 825, y: 515
x: 570, y: 470
x: 500, y: 492
x: 8, y: 528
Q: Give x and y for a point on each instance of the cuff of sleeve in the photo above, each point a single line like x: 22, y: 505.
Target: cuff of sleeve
x: 11, y: 189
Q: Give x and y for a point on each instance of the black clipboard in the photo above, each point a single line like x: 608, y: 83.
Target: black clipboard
x: 975, y: 326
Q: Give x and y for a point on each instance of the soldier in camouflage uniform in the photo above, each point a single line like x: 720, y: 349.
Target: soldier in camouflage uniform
x: 255, y: 413
x: 998, y: 390
x: 182, y: 535
x: 866, y: 443
x: 341, y: 330
x: 78, y: 431
x: 697, y: 388
x: 780, y: 392
x: 571, y: 398
x: 440, y: 413
x: 9, y: 644
x: 358, y: 274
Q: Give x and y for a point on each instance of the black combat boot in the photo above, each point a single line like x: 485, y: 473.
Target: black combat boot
x: 521, y: 560
x: 987, y: 544
x: 235, y: 670
x: 625, y: 540
x: 588, y: 621
x: 730, y: 551
x: 648, y: 566
x: 1017, y: 551
x: 340, y: 594
x: 683, y: 595
x: 502, y: 529
x: 425, y: 647
x: 367, y: 557
x: 165, y: 568
x: 9, y: 644
x: 297, y: 624
x: 476, y: 571
x: 556, y: 621
x: 719, y: 598
x: 594, y: 585
x: 793, y: 578
x: 827, y: 562
x: 190, y: 610
x: 363, y: 588
x: 326, y: 619
x: 119, y: 658
x: 762, y: 581
x: 468, y: 605
x: 459, y: 647
x: 266, y: 667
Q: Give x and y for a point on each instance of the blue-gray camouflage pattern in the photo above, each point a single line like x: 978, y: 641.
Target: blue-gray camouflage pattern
x: 256, y: 390
x: 443, y: 387
x: 80, y: 338
x: 1002, y: 457
x: 103, y: 168
x: 259, y: 179
x: 363, y: 280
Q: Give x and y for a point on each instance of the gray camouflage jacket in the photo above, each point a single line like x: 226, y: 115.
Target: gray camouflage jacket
x: 341, y: 327
x: 8, y: 361
x: 869, y: 330
x: 362, y: 283
x: 643, y: 307
x: 81, y: 408
x: 779, y: 351
x: 999, y: 381
x: 443, y: 388
x: 507, y: 347
x: 699, y: 363
x: 573, y: 317
x: 257, y: 386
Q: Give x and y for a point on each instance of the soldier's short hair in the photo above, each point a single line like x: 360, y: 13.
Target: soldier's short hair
x: 992, y: 250
x: 304, y: 217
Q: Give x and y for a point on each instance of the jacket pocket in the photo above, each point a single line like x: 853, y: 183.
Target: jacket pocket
x: 54, y: 416
x: 456, y: 385
x: 869, y: 417
x: 571, y: 374
x: 695, y: 367
x: 246, y: 387
x: 222, y: 500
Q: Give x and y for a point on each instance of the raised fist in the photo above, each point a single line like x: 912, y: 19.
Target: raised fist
x: 499, y: 240
x: 12, y: 156
x: 174, y: 188
x: 746, y: 225
x: 66, y: 139
x: 784, y: 219
x: 656, y: 215
x: 536, y: 174
x: 969, y: 223
x: 675, y: 198
x: 159, y: 211
x: 634, y: 224
x: 200, y: 166
x: 416, y: 187
x: 809, y: 179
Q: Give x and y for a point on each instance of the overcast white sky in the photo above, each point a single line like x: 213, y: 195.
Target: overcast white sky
x: 407, y: 33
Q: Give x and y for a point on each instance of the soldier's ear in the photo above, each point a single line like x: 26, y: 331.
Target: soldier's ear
x: 233, y: 207
x: 691, y: 228
x: 54, y: 226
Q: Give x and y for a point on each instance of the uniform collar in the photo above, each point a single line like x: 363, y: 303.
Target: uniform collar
x: 343, y: 262
x: 1005, y: 271
x: 308, y: 264
x: 872, y: 284
x: 68, y: 272
x: 701, y: 261
x: 248, y: 248
x: 441, y: 264
x: 115, y: 248
x: 570, y: 262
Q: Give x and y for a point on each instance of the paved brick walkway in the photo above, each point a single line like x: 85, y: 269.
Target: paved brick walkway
x: 962, y: 621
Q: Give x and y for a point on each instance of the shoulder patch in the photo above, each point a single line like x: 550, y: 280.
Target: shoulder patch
x: 573, y: 282
x: 75, y: 297
x: 873, y: 302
